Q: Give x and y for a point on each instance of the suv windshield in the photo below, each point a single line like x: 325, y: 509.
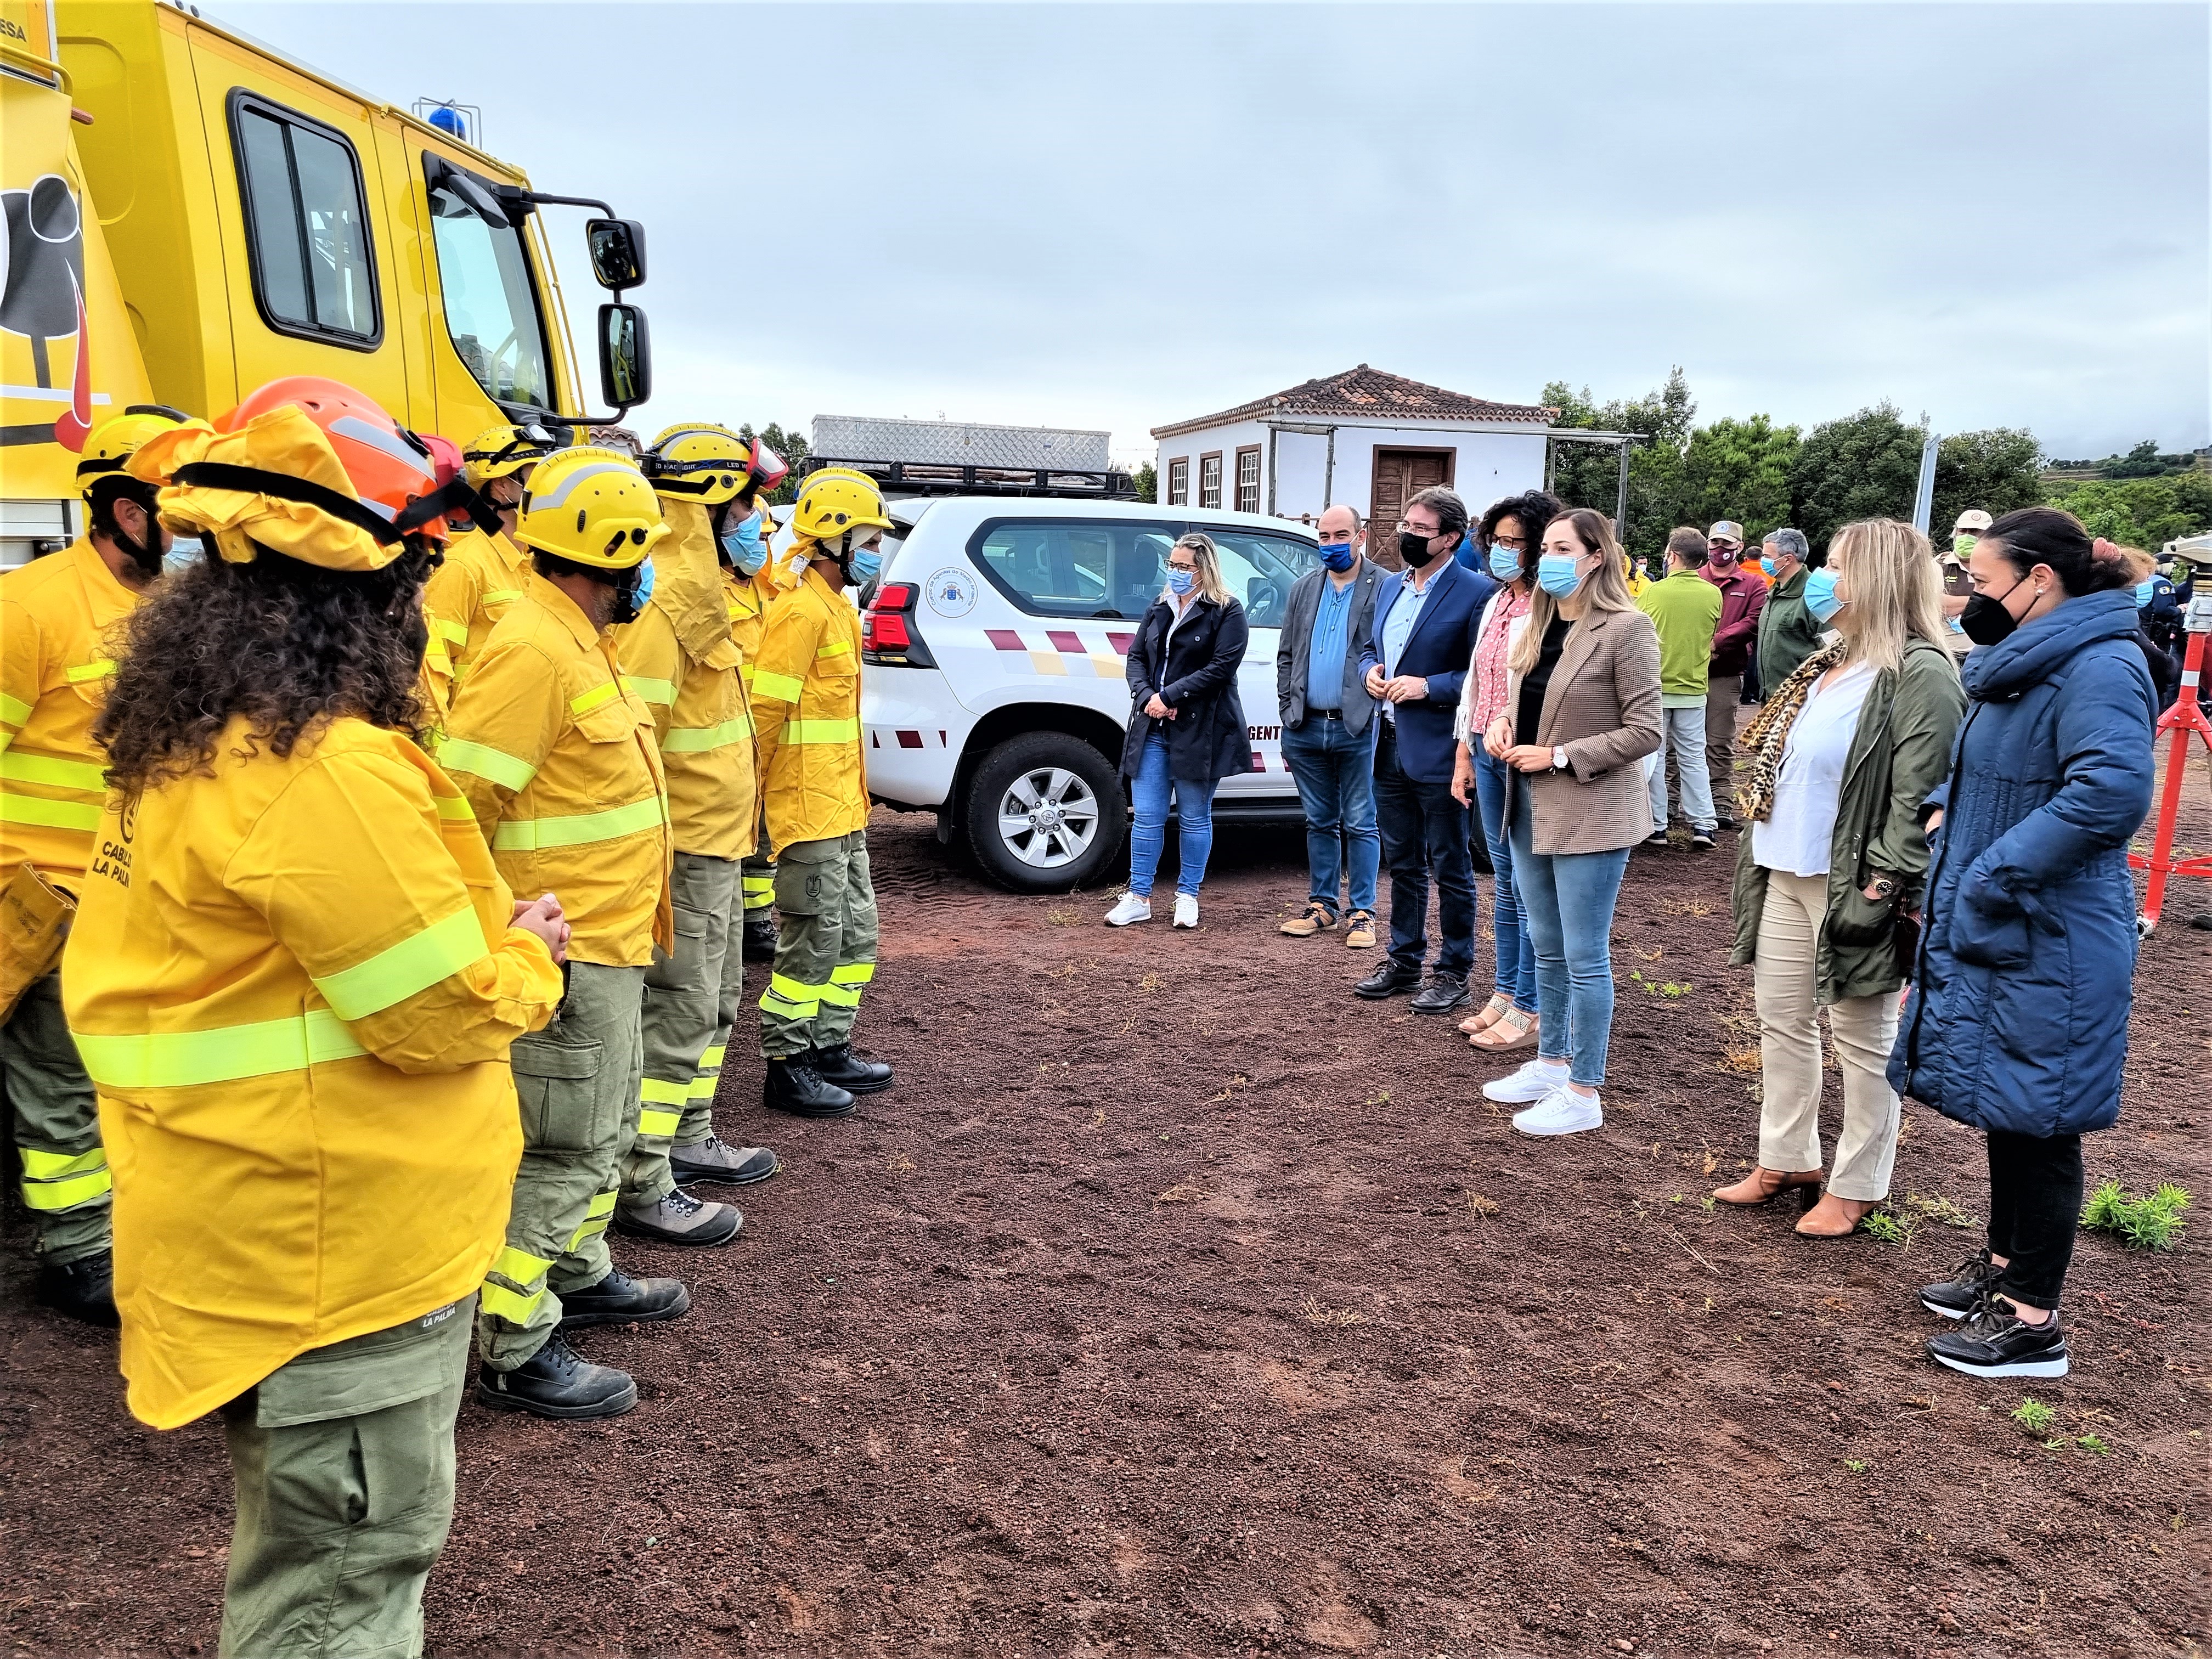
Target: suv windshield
x: 491, y: 311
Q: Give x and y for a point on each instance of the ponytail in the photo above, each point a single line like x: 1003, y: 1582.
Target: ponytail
x: 2045, y: 535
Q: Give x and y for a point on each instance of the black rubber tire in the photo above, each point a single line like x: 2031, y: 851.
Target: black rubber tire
x: 1035, y: 751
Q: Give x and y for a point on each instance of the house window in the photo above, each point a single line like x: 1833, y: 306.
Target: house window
x: 1179, y: 481
x: 1248, y: 479
x: 307, y: 225
x: 1209, y: 479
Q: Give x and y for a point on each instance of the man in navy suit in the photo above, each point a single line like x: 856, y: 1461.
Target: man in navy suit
x: 1422, y: 639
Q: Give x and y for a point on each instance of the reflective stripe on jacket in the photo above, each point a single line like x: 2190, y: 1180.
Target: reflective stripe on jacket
x: 806, y: 713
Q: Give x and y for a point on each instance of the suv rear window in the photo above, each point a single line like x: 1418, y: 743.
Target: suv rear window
x: 1075, y: 567
x: 1259, y: 569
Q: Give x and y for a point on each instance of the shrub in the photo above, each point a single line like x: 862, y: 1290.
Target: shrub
x: 2152, y: 1223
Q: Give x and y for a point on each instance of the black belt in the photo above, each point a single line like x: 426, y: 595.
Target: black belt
x: 1326, y: 713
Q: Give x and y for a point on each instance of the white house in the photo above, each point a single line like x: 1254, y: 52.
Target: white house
x: 1364, y: 438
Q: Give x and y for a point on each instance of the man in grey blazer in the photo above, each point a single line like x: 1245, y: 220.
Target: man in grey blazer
x: 1328, y: 729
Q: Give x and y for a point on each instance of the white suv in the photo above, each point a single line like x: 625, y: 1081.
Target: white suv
x: 995, y: 642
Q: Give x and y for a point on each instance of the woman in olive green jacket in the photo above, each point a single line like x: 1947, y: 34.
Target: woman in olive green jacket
x: 1833, y: 855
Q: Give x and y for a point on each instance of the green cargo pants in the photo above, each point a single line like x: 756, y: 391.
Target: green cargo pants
x: 759, y: 877
x: 343, y: 1462
x: 577, y: 1082
x: 826, y: 909
x: 56, y: 1120
x: 683, y: 1000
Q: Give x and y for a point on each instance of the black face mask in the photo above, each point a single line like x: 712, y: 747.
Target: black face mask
x: 1985, y: 621
x: 1413, y: 548
x: 627, y: 609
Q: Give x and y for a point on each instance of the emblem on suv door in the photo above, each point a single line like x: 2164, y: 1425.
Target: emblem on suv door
x: 952, y: 592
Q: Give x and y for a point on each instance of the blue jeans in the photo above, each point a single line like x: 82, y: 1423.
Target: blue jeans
x: 1516, y: 951
x: 1335, y: 774
x: 1424, y: 833
x: 1193, y: 803
x: 1567, y: 899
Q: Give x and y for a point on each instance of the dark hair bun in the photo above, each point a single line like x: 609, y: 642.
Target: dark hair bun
x: 2045, y: 535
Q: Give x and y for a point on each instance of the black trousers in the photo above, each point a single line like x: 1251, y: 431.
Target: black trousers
x: 2035, y: 1204
x: 1424, y: 833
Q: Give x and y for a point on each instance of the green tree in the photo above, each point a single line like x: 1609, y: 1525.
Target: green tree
x: 2145, y: 513
x: 1739, y: 469
x: 1866, y: 465
x: 1148, y: 483
x: 1995, y: 470
x: 792, y: 445
x: 1588, y: 475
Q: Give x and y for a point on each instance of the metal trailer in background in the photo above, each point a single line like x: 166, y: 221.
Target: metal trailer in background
x: 928, y: 457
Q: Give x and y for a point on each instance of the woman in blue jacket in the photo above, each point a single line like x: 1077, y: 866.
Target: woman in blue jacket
x: 2019, y: 1016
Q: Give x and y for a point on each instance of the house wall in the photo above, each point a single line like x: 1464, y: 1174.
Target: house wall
x: 1487, y: 464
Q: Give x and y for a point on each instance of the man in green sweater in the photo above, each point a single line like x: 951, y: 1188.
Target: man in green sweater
x: 1787, y: 631
x: 1685, y: 609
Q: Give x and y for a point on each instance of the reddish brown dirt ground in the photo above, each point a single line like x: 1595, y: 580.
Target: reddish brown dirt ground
x: 1178, y: 1303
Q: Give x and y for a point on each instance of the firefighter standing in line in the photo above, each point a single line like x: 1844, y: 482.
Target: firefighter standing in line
x: 745, y: 531
x: 559, y: 763
x: 55, y: 614
x: 295, y: 977
x: 678, y: 657
x: 806, y: 708
x: 483, y: 570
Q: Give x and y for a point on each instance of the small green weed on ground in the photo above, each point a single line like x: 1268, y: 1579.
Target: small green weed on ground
x: 2152, y: 1223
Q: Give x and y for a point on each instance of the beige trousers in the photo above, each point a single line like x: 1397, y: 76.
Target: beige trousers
x: 1862, y: 1028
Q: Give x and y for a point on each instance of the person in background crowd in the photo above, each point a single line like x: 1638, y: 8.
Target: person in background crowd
x: 1958, y: 587
x: 2018, y: 1021
x: 1789, y: 630
x: 1685, y: 608
x: 1851, y: 743
x: 1510, y: 530
x: 1742, y: 597
x: 2159, y: 647
x: 1582, y: 709
x: 1186, y: 725
x: 1328, y: 739
x: 1416, y: 663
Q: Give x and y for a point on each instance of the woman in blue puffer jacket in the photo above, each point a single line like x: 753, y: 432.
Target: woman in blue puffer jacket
x: 2019, y: 1016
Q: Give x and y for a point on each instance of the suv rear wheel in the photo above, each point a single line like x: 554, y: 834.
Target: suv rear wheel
x: 1045, y: 813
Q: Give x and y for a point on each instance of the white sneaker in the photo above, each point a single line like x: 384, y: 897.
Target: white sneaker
x: 1562, y: 1112
x: 1186, y: 910
x: 1131, y: 909
x: 1536, y: 1079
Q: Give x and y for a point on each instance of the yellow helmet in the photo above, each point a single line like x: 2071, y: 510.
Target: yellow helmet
x: 592, y: 507
x: 114, y: 441
x: 499, y: 451
x: 836, y: 501
x: 708, y: 465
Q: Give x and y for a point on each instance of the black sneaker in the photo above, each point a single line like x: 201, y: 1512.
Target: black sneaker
x: 555, y: 1383
x: 619, y: 1299
x: 1701, y: 841
x: 1994, y: 1342
x: 1656, y: 839
x: 1444, y: 994
x: 1960, y: 1294
x: 83, y: 1290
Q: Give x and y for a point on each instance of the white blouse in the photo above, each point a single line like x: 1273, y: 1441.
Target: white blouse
x: 1797, y: 835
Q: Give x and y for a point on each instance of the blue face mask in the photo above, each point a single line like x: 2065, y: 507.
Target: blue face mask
x: 1505, y: 564
x: 1337, y: 555
x: 644, y: 583
x: 743, y: 543
x: 184, y: 551
x: 1180, y: 582
x: 1766, y: 563
x: 2145, y: 591
x: 1820, y: 595
x: 1556, y: 573
x: 866, y: 565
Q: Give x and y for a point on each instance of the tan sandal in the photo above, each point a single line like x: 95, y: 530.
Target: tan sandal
x: 1516, y: 1030
x: 1488, y: 1015
x: 1763, y: 1183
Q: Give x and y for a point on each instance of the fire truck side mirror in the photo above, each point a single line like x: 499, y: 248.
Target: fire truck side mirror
x: 625, y: 356
x: 617, y: 252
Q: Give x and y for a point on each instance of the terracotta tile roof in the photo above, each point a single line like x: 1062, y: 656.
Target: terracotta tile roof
x: 1367, y: 393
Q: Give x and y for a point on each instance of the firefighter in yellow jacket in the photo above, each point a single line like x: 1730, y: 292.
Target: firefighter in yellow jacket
x: 294, y: 977
x: 806, y: 710
x: 561, y: 765
x: 56, y: 617
x: 483, y: 570
x: 745, y: 528
x: 679, y: 656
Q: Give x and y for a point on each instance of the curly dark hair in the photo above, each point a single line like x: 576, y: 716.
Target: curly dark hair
x: 1535, y: 509
x: 287, y: 644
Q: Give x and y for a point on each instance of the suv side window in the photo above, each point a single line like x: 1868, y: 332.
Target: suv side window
x: 1259, y: 569
x: 307, y: 225
x: 1074, y: 568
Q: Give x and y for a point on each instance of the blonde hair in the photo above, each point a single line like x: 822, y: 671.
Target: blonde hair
x: 2141, y: 565
x: 1209, y: 566
x: 1896, y: 592
x: 1606, y: 588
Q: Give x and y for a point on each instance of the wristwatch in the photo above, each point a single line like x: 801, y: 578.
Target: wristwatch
x: 1881, y: 887
x: 1558, y: 760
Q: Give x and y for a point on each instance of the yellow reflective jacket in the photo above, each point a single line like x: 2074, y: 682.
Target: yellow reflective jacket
x: 806, y: 716
x: 465, y: 597
x: 559, y: 763
x: 748, y: 607
x: 56, y: 617
x: 293, y: 985
x: 678, y: 657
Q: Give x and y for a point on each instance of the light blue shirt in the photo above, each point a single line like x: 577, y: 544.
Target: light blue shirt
x: 1331, y: 641
x: 1398, y: 626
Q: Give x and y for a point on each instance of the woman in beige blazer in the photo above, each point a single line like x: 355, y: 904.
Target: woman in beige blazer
x: 1582, y: 709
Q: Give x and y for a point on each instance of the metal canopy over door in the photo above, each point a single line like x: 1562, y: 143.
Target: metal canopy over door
x: 1400, y: 475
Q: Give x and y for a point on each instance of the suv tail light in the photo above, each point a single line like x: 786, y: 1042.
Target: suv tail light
x: 888, y: 634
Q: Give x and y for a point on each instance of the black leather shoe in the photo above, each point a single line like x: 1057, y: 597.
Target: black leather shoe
x: 839, y: 1065
x: 1388, y: 981
x: 760, y: 936
x: 555, y: 1383
x: 83, y: 1290
x: 793, y: 1085
x: 619, y: 1299
x: 1443, y: 992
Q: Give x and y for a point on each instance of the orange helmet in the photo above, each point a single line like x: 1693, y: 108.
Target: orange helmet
x: 770, y: 469
x: 393, y: 472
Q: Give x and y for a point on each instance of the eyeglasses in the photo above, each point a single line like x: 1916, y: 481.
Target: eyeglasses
x: 1412, y: 529
x: 1511, y: 543
x: 1172, y: 565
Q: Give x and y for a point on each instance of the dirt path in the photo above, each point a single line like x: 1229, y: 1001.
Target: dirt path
x: 1178, y: 1303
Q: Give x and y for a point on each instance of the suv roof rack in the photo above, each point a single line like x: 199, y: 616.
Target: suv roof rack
x: 929, y: 478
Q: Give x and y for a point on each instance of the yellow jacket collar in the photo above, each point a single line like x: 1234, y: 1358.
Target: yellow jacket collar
x: 566, y: 610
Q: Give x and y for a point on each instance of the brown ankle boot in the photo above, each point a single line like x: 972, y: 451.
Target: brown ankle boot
x: 1834, y: 1217
x: 1763, y: 1183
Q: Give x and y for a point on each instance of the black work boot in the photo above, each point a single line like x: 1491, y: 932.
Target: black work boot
x: 555, y: 1383
x: 619, y: 1299
x: 715, y: 1161
x: 840, y: 1065
x: 677, y: 1218
x: 793, y: 1085
x: 760, y: 935
x: 83, y: 1290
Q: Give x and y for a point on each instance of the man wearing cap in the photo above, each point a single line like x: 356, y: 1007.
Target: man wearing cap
x: 1743, y: 596
x: 1965, y: 531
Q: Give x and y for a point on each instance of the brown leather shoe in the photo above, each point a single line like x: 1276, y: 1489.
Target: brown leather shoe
x: 1835, y: 1217
x: 1763, y: 1183
x: 1317, y: 919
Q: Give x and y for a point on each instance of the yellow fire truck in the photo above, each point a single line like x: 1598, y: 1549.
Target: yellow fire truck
x: 189, y: 214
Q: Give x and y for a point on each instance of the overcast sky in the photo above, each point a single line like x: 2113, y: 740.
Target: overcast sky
x: 1119, y: 217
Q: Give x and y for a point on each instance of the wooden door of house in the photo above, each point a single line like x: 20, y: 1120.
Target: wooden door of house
x: 1400, y: 475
